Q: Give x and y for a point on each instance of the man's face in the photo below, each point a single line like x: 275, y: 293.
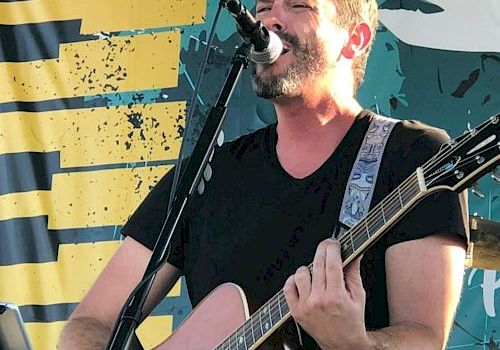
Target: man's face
x: 304, y: 27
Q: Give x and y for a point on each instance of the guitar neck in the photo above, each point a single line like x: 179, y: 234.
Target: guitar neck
x: 353, y: 243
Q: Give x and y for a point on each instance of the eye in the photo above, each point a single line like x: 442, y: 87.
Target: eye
x: 263, y: 8
x: 301, y: 6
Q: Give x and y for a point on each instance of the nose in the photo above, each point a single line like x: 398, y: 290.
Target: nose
x: 274, y: 17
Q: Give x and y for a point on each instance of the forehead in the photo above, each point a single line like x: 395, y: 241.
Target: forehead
x: 315, y: 3
x: 286, y: 1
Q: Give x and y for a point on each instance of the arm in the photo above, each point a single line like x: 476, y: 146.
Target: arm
x: 90, y: 325
x: 424, y: 279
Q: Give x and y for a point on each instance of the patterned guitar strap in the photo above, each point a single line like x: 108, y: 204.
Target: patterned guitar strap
x: 359, y: 190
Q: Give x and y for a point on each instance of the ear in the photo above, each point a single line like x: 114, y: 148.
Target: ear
x: 358, y: 41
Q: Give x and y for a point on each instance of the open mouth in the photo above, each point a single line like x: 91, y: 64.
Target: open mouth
x: 285, y: 50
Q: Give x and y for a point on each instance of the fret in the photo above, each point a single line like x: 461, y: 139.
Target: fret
x: 261, y: 325
x: 227, y: 344
x: 247, y: 336
x: 279, y: 307
x: 383, y: 214
x: 400, y: 197
x: 241, y: 339
x: 233, y: 340
x: 395, y: 207
x: 251, y: 328
x: 269, y: 313
x: 352, y: 243
x: 266, y: 324
x: 258, y: 329
x: 366, y: 228
x: 275, y: 314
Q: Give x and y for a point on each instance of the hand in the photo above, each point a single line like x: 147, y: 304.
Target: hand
x: 330, y: 303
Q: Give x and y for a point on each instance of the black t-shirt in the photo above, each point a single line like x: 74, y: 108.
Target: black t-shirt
x: 255, y: 224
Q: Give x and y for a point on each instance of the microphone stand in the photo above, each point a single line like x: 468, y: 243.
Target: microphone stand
x: 122, y: 336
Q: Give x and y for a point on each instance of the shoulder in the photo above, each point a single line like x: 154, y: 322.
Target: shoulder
x: 410, y: 145
x: 413, y: 133
x: 414, y: 142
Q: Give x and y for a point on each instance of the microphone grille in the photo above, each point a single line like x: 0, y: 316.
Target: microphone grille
x: 271, y: 53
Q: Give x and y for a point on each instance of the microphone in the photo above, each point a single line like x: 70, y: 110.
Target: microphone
x: 267, y: 46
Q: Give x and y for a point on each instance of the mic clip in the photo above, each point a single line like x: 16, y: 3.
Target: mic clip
x: 259, y: 36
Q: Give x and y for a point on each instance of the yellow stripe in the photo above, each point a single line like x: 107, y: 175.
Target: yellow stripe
x: 44, y: 336
x: 154, y: 329
x: 95, y: 136
x: 85, y: 199
x: 95, y: 67
x: 24, y: 204
x: 108, y: 15
x: 64, y: 281
x: 99, y: 198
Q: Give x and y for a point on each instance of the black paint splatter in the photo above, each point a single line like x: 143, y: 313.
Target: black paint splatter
x: 135, y: 118
x: 412, y: 5
x: 465, y: 85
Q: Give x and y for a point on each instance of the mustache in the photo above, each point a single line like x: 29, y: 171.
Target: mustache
x: 292, y: 40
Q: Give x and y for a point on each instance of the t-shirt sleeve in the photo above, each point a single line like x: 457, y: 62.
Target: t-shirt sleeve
x: 145, y: 224
x: 442, y: 212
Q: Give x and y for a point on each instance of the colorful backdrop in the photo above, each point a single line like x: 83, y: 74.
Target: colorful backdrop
x: 93, y: 99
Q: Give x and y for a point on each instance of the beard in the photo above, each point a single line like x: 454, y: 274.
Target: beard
x: 309, y: 61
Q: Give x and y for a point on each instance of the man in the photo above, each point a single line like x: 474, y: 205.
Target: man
x: 275, y: 197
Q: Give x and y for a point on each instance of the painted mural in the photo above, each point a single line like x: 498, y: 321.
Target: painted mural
x: 93, y: 104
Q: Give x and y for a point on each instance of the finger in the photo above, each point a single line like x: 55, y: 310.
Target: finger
x: 333, y: 264
x: 353, y: 281
x: 318, y: 272
x: 303, y: 282
x: 291, y: 293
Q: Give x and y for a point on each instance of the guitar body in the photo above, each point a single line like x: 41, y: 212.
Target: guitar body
x: 212, y: 321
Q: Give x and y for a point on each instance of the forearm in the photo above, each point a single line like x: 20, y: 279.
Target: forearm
x: 84, y: 333
x: 407, y: 336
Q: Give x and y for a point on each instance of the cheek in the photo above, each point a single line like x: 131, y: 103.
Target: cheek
x: 333, y: 39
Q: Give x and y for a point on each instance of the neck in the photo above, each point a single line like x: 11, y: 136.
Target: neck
x: 309, y: 130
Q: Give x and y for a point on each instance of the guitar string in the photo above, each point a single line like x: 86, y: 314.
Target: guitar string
x: 469, y: 136
x: 381, y: 221
x: 248, y: 332
x: 403, y: 191
x: 407, y: 184
x: 374, y: 217
x: 466, y: 161
x: 272, y: 304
